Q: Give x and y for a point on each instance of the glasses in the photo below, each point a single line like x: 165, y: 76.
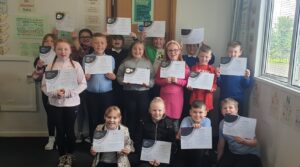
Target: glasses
x: 174, y: 50
x: 85, y: 37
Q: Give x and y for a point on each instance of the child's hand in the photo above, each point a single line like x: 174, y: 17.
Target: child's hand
x: 154, y: 163
x: 145, y: 85
x: 93, y: 152
x: 40, y: 63
x: 133, y: 35
x: 218, y: 72
x: 143, y: 36
x: 212, y: 90
x: 74, y: 35
x: 196, y: 125
x: 239, y: 140
x: 54, y: 31
x: 88, y: 76
x: 189, y: 88
x: 169, y: 80
x: 110, y: 76
x: 173, y: 79
x: 125, y: 151
x: 247, y: 73
x: 60, y: 93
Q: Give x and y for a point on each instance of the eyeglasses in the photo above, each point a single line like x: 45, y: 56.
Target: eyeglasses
x: 85, y: 37
x: 174, y: 50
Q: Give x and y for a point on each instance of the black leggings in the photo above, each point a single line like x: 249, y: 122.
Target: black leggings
x: 50, y: 115
x: 236, y: 160
x: 64, y: 121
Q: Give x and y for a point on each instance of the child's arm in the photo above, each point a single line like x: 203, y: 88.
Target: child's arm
x: 247, y: 142
x: 152, y: 76
x: 120, y: 74
x: 246, y: 81
x: 161, y: 81
x: 220, y: 149
x: 183, y: 82
x: 111, y: 75
x: 128, y: 143
x: 82, y: 85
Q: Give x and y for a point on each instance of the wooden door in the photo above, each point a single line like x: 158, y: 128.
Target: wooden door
x: 164, y: 10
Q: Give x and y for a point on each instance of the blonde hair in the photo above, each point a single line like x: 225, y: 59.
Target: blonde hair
x: 234, y: 44
x: 111, y: 109
x: 179, y: 47
x: 205, y: 48
x: 157, y: 100
x: 231, y: 101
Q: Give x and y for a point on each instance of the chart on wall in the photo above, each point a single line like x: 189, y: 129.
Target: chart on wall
x: 4, y: 26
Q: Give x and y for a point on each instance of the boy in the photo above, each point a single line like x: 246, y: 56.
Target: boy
x: 197, y: 119
x: 242, y: 152
x: 234, y: 86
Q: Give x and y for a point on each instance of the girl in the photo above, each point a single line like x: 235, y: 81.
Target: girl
x: 204, y: 95
x: 171, y: 89
x: 112, y: 118
x: 156, y: 127
x: 65, y: 102
x: 99, y: 93
x: 136, y: 96
x: 48, y: 40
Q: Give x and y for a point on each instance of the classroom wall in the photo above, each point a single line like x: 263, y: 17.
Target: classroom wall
x: 215, y: 16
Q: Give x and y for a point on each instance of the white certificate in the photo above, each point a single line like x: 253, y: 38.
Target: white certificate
x: 233, y: 66
x: 137, y: 76
x: 172, y: 69
x: 98, y: 64
x: 108, y: 141
x: 156, y: 150
x: 201, y: 80
x: 192, y: 36
x: 118, y: 26
x: 47, y: 54
x: 155, y: 28
x: 242, y: 127
x: 196, y: 138
x: 64, y: 22
x: 61, y: 79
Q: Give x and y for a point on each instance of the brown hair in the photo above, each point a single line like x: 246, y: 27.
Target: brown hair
x: 230, y: 100
x: 57, y: 42
x: 53, y: 36
x: 234, y: 44
x: 198, y: 104
x: 205, y: 48
x: 112, y: 109
x: 175, y: 43
x: 130, y: 56
x: 97, y: 34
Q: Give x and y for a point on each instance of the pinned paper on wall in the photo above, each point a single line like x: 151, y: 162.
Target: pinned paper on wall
x: 286, y: 116
x: 142, y: 10
x: 3, y: 6
x: 30, y: 27
x: 29, y: 48
x: 274, y: 108
x: 27, y: 6
x: 92, y: 6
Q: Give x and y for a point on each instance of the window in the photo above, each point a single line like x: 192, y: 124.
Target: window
x: 281, y: 60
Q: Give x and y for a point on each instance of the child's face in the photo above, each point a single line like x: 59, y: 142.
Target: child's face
x: 173, y: 51
x: 204, y: 57
x: 117, y: 43
x: 99, y: 44
x: 85, y: 38
x: 63, y: 50
x: 229, y: 108
x: 192, y: 48
x: 49, y: 42
x: 112, y: 120
x: 157, y: 111
x: 198, y: 114
x: 234, y: 51
x: 158, y: 42
x: 138, y: 50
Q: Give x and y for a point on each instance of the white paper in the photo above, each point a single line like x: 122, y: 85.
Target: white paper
x: 160, y: 151
x: 236, y: 66
x: 122, y: 26
x: 203, y: 80
x: 174, y: 69
x: 66, y: 24
x: 139, y: 76
x: 112, y: 141
x: 200, y: 138
x: 48, y: 57
x: 156, y: 29
x: 101, y: 65
x: 65, y: 79
x: 195, y: 36
x: 243, y: 127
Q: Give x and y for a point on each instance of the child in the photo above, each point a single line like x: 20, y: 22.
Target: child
x: 48, y: 40
x: 99, y: 95
x: 156, y: 127
x: 197, y: 119
x: 242, y: 152
x: 234, y: 86
x: 112, y: 118
x: 136, y: 97
x: 171, y: 89
x: 65, y: 102
x: 206, y: 96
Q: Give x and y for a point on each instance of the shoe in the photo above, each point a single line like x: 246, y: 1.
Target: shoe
x: 69, y: 160
x: 88, y: 140
x: 62, y: 161
x: 50, y: 144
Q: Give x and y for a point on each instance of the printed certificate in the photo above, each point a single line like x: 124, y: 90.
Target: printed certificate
x: 118, y: 26
x: 98, y: 64
x: 243, y: 127
x: 172, y: 69
x: 61, y: 79
x: 108, y: 141
x: 156, y: 150
x: 64, y: 22
x: 137, y: 76
x: 196, y: 138
x: 155, y: 28
x: 47, y: 54
x: 233, y: 66
x: 192, y: 36
x: 201, y: 80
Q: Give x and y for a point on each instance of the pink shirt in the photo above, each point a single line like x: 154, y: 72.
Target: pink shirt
x: 71, y: 97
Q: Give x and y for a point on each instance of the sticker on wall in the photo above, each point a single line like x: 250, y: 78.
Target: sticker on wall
x: 274, y: 107
x: 286, y: 116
